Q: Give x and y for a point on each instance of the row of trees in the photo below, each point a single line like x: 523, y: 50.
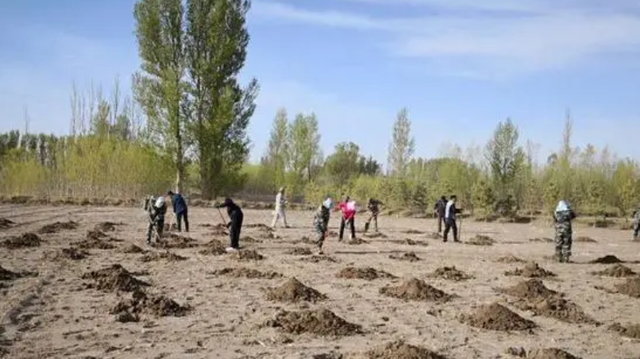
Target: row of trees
x: 185, y: 126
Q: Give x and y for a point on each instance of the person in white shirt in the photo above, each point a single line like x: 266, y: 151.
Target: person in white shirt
x: 450, y: 212
x: 279, y: 212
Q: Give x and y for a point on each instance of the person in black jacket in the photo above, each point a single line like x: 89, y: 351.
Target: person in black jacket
x: 439, y: 208
x: 180, y: 210
x: 450, y: 212
x: 235, y: 225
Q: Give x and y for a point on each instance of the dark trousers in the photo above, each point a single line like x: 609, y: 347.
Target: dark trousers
x: 450, y: 224
x: 374, y: 217
x: 440, y: 220
x: 180, y: 216
x: 234, y: 233
x: 351, y: 224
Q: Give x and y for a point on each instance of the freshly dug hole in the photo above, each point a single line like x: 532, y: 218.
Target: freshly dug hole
x: 143, y: 303
x: 629, y: 331
x: 293, y: 291
x: 550, y: 353
x: 366, y: 273
x: 617, y: 270
x: 399, y: 350
x: 417, y: 290
x: 26, y: 240
x: 499, y: 318
x: 179, y: 242
x: 248, y: 273
x: 57, y: 227
x: 480, y: 240
x: 409, y: 257
x: 608, y: 259
x: 531, y: 270
x: 156, y: 256
x: 113, y: 279
x: 321, y: 322
x: 450, y: 273
x: 214, y: 248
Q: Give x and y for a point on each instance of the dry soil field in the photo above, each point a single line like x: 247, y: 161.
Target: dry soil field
x: 86, y: 289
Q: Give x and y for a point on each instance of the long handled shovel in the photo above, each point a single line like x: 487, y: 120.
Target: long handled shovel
x: 224, y: 222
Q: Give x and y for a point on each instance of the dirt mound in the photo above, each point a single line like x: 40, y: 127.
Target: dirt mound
x: 248, y: 273
x: 401, y: 350
x: 410, y: 242
x: 497, y: 317
x: 293, y: 291
x: 143, y: 303
x: 321, y: 322
x: 166, y: 255
x: 409, y: 257
x: 71, y: 253
x: 608, y: 259
x: 510, y: 259
x: 531, y: 270
x: 415, y: 289
x: 366, y: 273
x: 357, y: 241
x: 247, y: 255
x: 584, y: 239
x: 631, y: 287
x: 300, y: 251
x: 214, y: 248
x: 247, y: 239
x: 558, y: 308
x: 180, y: 242
x: 106, y: 226
x: 480, y: 240
x: 412, y: 231
x: 318, y: 259
x: 57, y: 227
x: 550, y: 353
x: 532, y: 290
x: 541, y: 239
x: 5, y: 223
x: 306, y: 240
x: 258, y: 225
x: 450, y: 273
x: 114, y: 278
x: 133, y: 249
x: 629, y: 331
x: 376, y: 235
x: 617, y: 270
x: 6, y: 274
x: 95, y: 240
x: 26, y: 240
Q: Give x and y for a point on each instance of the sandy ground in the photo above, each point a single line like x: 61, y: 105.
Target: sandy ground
x: 58, y: 314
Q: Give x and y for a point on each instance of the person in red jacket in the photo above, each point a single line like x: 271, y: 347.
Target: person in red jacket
x: 348, y: 209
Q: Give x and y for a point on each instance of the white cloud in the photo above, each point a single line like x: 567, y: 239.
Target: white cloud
x: 545, y: 37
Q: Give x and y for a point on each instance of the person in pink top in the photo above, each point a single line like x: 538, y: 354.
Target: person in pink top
x: 348, y: 209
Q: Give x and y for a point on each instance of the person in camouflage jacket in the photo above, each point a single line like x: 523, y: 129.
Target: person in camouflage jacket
x: 636, y: 224
x: 321, y: 222
x: 563, y: 216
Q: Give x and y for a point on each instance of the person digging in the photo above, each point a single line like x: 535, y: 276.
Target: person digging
x: 374, y: 209
x: 348, y: 209
x: 235, y: 223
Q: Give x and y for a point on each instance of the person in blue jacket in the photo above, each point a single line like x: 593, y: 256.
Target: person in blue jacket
x: 180, y: 210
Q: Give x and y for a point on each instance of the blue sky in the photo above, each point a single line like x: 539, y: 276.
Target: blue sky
x: 459, y: 66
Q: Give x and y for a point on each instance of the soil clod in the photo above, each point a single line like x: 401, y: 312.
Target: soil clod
x: 499, y: 318
x: 113, y: 279
x: 179, y: 242
x: 247, y: 255
x: 531, y: 290
x: 480, y: 240
x: 294, y: 291
x: 629, y: 331
x: 318, y: 259
x: 415, y: 289
x: 401, y: 350
x: 143, y: 303
x: 357, y: 241
x: 510, y: 259
x: 608, y: 259
x: 321, y: 322
x: 133, y: 249
x: 106, y: 226
x: 26, y: 240
x: 409, y: 257
x: 366, y: 273
x: 450, y: 273
x: 617, y: 270
x: 300, y: 251
x: 248, y: 273
x: 531, y: 270
x: 214, y: 247
x: 71, y: 253
x: 95, y: 240
x: 166, y: 255
x: 550, y: 353
x: 57, y: 227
